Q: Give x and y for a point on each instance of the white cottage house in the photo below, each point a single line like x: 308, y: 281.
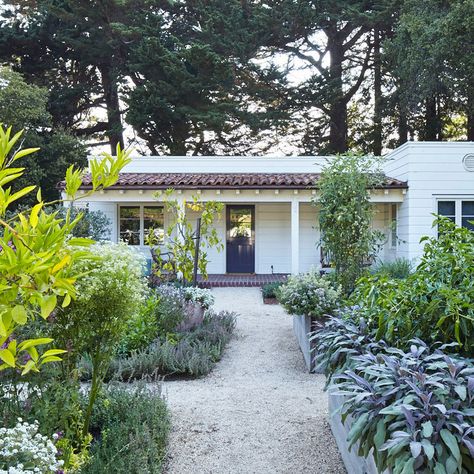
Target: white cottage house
x: 269, y: 225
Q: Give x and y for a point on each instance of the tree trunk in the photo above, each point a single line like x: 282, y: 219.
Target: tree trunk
x: 377, y: 143
x: 115, y: 128
x: 402, y: 120
x: 470, y: 115
x: 431, y: 131
x: 338, y: 107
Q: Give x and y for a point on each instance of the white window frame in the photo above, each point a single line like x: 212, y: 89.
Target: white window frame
x: 141, y: 206
x: 458, y: 200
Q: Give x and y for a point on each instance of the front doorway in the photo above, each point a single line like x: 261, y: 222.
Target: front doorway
x: 240, y: 239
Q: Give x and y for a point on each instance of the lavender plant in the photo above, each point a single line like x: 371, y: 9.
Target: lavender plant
x: 412, y: 410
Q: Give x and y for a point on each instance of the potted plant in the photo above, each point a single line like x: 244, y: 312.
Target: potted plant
x: 270, y: 292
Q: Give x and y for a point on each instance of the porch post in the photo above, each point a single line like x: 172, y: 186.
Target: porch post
x: 295, y: 236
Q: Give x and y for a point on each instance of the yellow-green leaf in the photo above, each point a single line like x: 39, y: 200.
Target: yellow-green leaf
x: 53, y: 352
x: 7, y: 357
x: 34, y: 342
x: 51, y: 359
x: 67, y: 300
x: 19, y: 314
x: 28, y: 366
x: 34, y: 214
x: 64, y: 261
x: 47, y: 305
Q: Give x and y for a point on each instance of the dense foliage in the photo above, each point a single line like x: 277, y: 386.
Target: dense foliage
x: 435, y: 302
x: 109, y: 294
x: 244, y: 77
x: 38, y: 256
x: 270, y: 290
x: 133, y: 418
x: 412, y: 410
x: 346, y: 214
x: 193, y: 352
x: 399, y: 268
x: 309, y: 294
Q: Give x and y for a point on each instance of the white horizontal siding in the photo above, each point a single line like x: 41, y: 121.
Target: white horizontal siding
x: 272, y: 238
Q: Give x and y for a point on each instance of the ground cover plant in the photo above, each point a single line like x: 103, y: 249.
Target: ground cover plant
x: 309, y: 294
x: 191, y: 353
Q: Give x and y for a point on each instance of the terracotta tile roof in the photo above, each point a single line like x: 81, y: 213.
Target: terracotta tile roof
x: 222, y: 180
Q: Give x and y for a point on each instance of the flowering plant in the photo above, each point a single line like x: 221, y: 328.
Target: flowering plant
x: 309, y: 294
x: 199, y: 295
x: 24, y: 450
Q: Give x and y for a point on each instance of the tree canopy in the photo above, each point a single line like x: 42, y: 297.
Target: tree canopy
x: 237, y: 76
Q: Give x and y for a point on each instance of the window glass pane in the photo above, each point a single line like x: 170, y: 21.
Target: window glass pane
x: 394, y: 225
x: 468, y: 222
x: 130, y: 224
x: 153, y: 221
x: 447, y: 208
x: 468, y: 208
x: 240, y: 222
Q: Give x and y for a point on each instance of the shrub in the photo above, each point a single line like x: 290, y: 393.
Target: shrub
x: 412, y: 409
x: 346, y: 215
x: 200, y: 296
x: 94, y: 225
x: 270, y: 290
x: 435, y: 303
x: 341, y: 340
x: 23, y: 449
x: 132, y: 427
x: 308, y: 294
x: 194, y: 353
x: 400, y: 269
x: 109, y: 294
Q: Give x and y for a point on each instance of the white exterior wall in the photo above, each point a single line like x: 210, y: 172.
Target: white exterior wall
x: 434, y: 171
x: 272, y: 238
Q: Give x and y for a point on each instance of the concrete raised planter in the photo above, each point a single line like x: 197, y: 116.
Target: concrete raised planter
x: 302, y: 326
x: 354, y: 463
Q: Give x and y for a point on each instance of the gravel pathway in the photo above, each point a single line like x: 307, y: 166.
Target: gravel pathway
x: 258, y: 411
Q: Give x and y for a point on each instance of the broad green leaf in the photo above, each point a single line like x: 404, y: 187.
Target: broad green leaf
x: 53, y: 352
x: 19, y: 314
x: 28, y: 367
x: 427, y: 429
x: 428, y: 448
x: 47, y: 305
x: 451, y: 442
x: 34, y: 342
x: 51, y: 359
x: 7, y: 357
x: 34, y: 214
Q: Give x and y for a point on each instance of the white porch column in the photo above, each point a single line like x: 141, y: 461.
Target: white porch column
x: 295, y: 237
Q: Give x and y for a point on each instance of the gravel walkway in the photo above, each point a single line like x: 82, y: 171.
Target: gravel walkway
x: 258, y: 411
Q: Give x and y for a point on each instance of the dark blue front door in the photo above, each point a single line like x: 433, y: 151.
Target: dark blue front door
x: 240, y: 239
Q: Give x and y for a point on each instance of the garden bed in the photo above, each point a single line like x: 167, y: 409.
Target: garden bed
x: 354, y: 463
x: 302, y: 327
x: 270, y: 300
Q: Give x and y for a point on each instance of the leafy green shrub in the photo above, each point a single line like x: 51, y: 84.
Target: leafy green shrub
x: 400, y: 268
x: 308, y: 294
x: 346, y: 215
x: 270, y: 290
x: 56, y: 405
x: 94, y: 225
x: 194, y: 353
x: 109, y: 294
x: 435, y: 303
x: 412, y: 409
x: 132, y: 427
